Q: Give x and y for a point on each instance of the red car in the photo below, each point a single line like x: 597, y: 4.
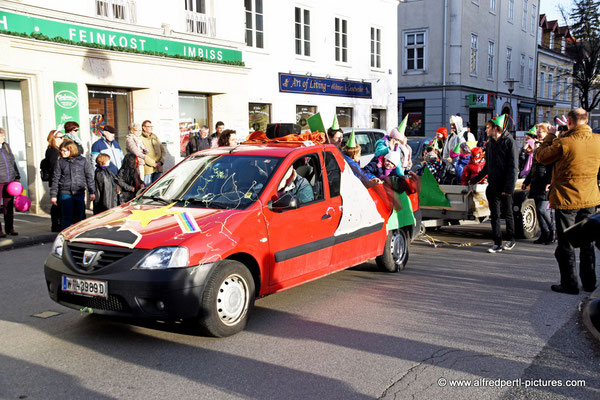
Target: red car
x: 223, y: 227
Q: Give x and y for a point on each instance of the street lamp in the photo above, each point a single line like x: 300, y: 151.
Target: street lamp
x: 511, y: 88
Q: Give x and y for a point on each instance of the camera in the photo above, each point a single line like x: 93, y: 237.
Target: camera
x: 562, y: 128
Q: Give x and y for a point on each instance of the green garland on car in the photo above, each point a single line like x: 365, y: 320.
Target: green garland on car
x: 39, y: 36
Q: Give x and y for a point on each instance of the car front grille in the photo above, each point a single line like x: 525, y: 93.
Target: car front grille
x: 111, y: 303
x: 108, y: 255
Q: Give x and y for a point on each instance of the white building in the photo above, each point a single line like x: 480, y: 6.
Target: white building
x: 124, y: 61
x: 459, y: 56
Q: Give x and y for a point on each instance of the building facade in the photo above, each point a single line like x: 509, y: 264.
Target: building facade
x: 474, y: 57
x: 555, y: 70
x: 185, y: 64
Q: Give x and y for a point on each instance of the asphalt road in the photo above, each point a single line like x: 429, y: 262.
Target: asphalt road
x: 455, y: 313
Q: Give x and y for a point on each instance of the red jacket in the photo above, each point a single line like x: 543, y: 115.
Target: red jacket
x: 471, y: 170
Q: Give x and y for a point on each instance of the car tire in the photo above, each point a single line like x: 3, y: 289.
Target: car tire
x: 395, y: 252
x: 227, y: 300
x: 526, y: 223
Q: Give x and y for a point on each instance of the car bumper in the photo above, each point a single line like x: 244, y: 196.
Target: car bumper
x: 169, y: 294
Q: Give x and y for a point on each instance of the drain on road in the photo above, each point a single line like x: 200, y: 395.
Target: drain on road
x: 46, y: 314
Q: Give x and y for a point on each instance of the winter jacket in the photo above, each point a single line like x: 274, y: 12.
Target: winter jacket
x: 106, y: 190
x: 358, y: 172
x: 460, y: 163
x: 196, y: 143
x: 134, y: 145
x: 453, y: 140
x: 8, y: 165
x: 501, y: 164
x: 538, y: 177
x: 376, y: 168
x: 72, y: 176
x: 576, y: 158
x: 382, y: 147
x: 52, y: 155
x: 155, y: 154
x: 472, y: 169
x: 128, y: 189
x: 111, y: 149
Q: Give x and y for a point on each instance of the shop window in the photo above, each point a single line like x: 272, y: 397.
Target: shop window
x: 109, y: 106
x: 344, y: 115
x: 416, y: 118
x: 259, y: 116
x: 378, y: 118
x: 193, y: 113
x: 303, y: 113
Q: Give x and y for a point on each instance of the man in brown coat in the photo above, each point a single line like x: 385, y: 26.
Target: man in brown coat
x: 574, y: 195
x: 155, y: 158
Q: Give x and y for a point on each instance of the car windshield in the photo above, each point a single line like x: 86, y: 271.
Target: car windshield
x: 213, y: 181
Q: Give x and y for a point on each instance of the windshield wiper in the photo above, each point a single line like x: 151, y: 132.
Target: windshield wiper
x: 158, y: 198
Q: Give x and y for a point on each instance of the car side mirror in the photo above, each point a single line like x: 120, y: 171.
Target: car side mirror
x: 285, y: 202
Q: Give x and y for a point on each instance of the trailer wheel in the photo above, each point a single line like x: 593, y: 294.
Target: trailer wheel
x: 526, y: 223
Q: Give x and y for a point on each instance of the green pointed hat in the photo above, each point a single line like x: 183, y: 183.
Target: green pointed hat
x: 500, y: 121
x: 352, y: 141
x: 335, y: 126
x: 532, y: 131
x: 456, y: 148
x: 402, y: 126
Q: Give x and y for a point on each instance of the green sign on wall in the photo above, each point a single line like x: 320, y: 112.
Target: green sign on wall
x: 83, y: 34
x: 66, y: 103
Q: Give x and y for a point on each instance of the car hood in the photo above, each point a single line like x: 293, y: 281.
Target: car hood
x: 145, y: 226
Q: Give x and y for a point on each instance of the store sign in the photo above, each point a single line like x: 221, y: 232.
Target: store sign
x: 482, y: 101
x: 66, y: 103
x: 83, y: 34
x: 289, y: 83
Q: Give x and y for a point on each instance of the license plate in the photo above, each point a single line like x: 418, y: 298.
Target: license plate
x: 86, y: 287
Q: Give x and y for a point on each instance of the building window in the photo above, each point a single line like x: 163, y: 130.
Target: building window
x: 259, y: 115
x: 522, y: 71
x: 542, y: 83
x: 530, y: 80
x: 198, y: 6
x: 344, y: 116
x: 303, y: 113
x: 111, y: 105
x: 550, y: 86
x: 302, y: 32
x: 563, y: 45
x: 377, y: 118
x: 416, y: 117
x: 533, y: 17
x: 490, y: 68
x: 254, y: 24
x: 557, y: 93
x: 116, y: 9
x: 193, y: 113
x: 508, y: 62
x: 414, y: 51
x: 511, y: 10
x: 375, y: 48
x: 196, y: 19
x: 551, y: 45
x: 493, y: 5
x: 524, y: 19
x: 473, y: 63
x: 566, y: 92
x: 341, y: 40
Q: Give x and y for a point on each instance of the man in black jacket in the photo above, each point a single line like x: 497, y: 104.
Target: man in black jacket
x: 198, y: 141
x: 501, y: 167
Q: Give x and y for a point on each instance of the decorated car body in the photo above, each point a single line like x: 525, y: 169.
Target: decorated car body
x: 219, y: 230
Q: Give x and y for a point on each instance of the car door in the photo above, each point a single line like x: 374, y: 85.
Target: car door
x: 301, y: 239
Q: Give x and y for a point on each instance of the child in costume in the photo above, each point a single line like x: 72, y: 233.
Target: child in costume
x: 384, y: 166
x: 476, y: 164
x: 395, y: 141
x: 461, y: 159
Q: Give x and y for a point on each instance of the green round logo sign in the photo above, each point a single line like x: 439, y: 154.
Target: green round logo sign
x: 66, y: 99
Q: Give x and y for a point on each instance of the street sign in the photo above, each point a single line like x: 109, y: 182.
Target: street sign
x: 401, y: 99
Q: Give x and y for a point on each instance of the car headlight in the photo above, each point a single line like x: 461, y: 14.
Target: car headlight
x: 57, y: 246
x: 165, y: 257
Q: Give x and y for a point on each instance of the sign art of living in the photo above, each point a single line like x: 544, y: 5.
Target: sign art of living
x: 289, y: 83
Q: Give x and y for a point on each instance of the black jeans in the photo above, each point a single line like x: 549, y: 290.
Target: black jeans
x: 501, y: 205
x: 543, y: 214
x: 8, y: 208
x: 565, y: 253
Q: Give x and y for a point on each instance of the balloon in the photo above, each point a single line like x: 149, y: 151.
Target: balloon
x: 14, y: 188
x: 22, y: 203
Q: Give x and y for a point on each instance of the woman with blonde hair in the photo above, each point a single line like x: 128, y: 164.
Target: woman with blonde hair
x: 55, y: 139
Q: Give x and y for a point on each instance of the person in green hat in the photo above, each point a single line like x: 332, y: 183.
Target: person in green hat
x: 501, y: 167
x: 526, y: 153
x: 334, y: 133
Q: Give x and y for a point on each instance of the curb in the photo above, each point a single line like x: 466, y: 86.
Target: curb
x: 591, y: 309
x: 24, y: 241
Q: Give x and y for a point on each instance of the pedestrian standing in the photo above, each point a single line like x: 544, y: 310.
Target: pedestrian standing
x: 72, y: 133
x: 55, y: 139
x: 155, y: 158
x: 198, y: 141
x: 8, y: 173
x: 574, y: 195
x: 109, y: 146
x: 129, y: 179
x: 106, y: 185
x: 538, y: 179
x: 134, y: 145
x: 501, y: 167
x: 72, y: 176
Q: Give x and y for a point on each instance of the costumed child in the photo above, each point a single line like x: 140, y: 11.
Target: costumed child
x: 476, y: 164
x: 351, y: 152
x: 461, y: 159
x: 106, y: 185
x: 527, y: 152
x: 439, y: 140
x: 383, y: 166
x: 395, y: 141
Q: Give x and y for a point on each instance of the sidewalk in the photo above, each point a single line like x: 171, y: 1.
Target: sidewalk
x: 33, y: 229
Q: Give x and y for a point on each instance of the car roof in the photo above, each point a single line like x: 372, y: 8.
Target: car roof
x: 347, y: 131
x: 279, y: 149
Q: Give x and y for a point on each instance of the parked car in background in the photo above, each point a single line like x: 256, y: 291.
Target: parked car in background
x: 418, y: 144
x: 366, y: 138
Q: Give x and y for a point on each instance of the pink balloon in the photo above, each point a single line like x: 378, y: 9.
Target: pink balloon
x: 14, y: 188
x: 22, y: 203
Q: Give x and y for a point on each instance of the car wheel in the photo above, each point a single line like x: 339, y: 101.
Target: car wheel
x: 227, y: 300
x: 526, y: 223
x: 395, y: 252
